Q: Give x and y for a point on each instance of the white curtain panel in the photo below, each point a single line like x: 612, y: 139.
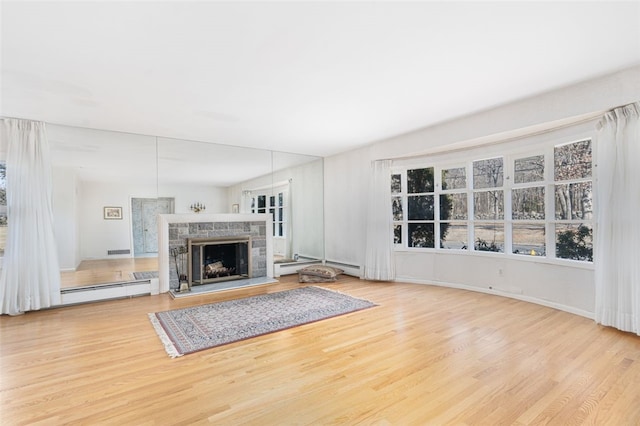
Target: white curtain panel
x: 617, y: 238
x: 379, y: 261
x: 30, y: 278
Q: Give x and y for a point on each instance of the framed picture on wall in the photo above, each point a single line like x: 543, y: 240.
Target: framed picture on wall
x: 235, y: 208
x: 113, y: 213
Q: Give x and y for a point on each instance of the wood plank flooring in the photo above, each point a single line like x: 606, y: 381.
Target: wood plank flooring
x: 102, y: 271
x: 425, y: 355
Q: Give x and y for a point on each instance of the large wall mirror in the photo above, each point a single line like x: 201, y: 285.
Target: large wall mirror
x: 109, y: 188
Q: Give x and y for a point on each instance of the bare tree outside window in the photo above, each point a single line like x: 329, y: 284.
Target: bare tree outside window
x: 453, y: 207
x: 488, y: 173
x: 528, y: 207
x: 488, y: 205
x: 530, y: 169
x: 574, y: 200
x: 572, y: 161
x: 527, y: 203
x: 454, y: 178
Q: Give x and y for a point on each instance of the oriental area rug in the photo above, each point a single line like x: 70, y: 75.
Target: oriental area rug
x: 188, y: 330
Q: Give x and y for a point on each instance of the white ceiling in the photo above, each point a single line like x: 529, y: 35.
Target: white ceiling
x: 315, y: 78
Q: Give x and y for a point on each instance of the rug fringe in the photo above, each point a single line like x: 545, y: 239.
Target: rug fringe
x: 169, y: 347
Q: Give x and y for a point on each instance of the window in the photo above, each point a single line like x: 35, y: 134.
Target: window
x: 3, y: 206
x: 526, y: 204
x: 453, y: 209
x: 276, y: 207
x: 259, y: 204
x: 573, y: 201
x: 396, y: 207
x: 528, y: 228
x: 488, y: 204
x: 420, y: 208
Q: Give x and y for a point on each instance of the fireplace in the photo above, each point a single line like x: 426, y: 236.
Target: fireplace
x: 175, y: 231
x: 218, y: 259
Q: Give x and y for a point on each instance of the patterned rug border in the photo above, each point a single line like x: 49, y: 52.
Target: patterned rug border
x: 172, y: 347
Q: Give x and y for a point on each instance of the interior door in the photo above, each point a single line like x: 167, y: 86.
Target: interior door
x: 146, y: 239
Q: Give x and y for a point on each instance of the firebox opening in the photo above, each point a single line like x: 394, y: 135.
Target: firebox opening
x: 218, y: 259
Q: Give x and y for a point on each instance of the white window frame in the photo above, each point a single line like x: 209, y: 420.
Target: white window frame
x: 510, y: 151
x: 277, y: 230
x: 440, y: 191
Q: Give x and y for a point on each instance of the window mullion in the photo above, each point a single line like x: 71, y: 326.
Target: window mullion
x: 508, y: 183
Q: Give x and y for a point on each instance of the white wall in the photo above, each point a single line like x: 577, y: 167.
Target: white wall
x: 347, y: 179
x: 346, y: 183
x: 215, y: 198
x: 307, y: 208
x: 98, y: 235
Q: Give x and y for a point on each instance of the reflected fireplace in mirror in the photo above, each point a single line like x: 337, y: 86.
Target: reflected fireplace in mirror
x: 218, y: 259
x: 159, y: 168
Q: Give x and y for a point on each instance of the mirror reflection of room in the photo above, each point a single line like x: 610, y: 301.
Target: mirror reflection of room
x: 110, y: 187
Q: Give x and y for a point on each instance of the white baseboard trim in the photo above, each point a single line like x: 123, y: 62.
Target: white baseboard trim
x: 280, y: 269
x: 348, y: 268
x: 497, y: 292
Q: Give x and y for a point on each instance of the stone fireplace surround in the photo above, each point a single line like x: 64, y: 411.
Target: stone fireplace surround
x: 174, y: 229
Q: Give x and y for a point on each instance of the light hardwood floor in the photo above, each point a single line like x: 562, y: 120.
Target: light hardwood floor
x: 425, y: 355
x: 102, y: 271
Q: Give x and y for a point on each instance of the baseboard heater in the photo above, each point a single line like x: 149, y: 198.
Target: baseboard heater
x: 95, y: 293
x: 280, y: 269
x: 348, y: 268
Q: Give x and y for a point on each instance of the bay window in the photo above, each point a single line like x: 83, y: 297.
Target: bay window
x: 526, y: 204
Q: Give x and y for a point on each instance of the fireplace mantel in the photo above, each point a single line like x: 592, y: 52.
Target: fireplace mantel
x: 234, y: 220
